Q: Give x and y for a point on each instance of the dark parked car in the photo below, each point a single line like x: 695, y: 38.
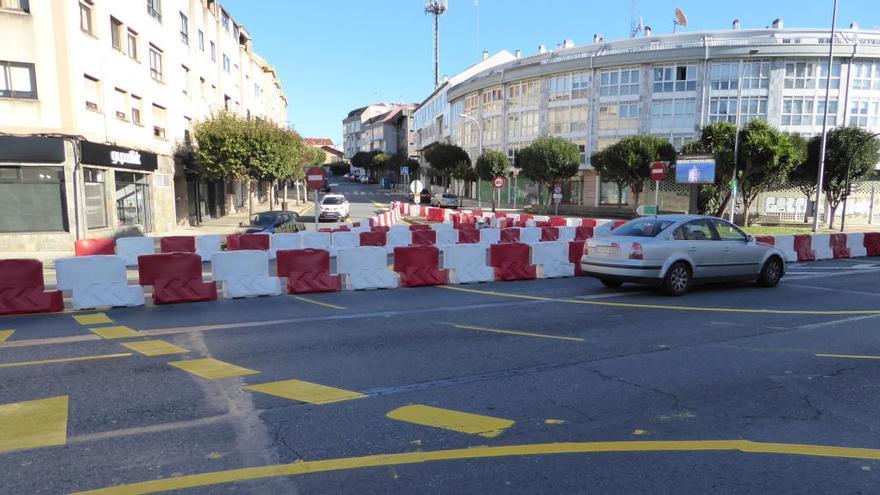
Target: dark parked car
x: 326, y: 187
x: 274, y: 222
x: 425, y: 197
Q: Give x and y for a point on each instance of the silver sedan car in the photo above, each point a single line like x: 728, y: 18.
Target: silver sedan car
x: 676, y: 251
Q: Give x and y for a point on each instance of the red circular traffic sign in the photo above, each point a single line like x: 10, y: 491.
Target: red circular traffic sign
x: 499, y: 182
x: 315, y: 177
x: 658, y: 170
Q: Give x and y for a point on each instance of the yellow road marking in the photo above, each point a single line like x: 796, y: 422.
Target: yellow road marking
x: 92, y: 319
x: 515, y: 332
x: 312, y: 393
x: 155, y: 348
x: 474, y: 424
x: 663, y: 307
x: 5, y: 334
x: 32, y: 424
x: 846, y: 356
x: 212, y: 369
x: 116, y: 332
x: 383, y: 460
x: 319, y: 303
x: 380, y: 205
x: 65, y: 360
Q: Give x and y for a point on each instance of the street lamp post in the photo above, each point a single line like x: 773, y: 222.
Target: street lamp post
x: 479, y: 152
x: 822, y: 147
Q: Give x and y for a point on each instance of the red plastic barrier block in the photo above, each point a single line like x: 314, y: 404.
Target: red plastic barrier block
x: 343, y: 228
x: 524, y: 217
x: 424, y: 238
x: 575, y: 253
x: 583, y: 233
x: 505, y: 223
x: 400, y: 208
x: 467, y: 226
x: 477, y: 213
x: 468, y: 236
x: 326, y: 230
x: 588, y: 222
x: 509, y: 235
x: 872, y: 243
x: 435, y: 214
x: 617, y: 223
x: 803, y: 247
x: 419, y: 226
x: 511, y: 262
x: 22, y: 289
x: 175, y: 277
x: 549, y: 234
x: 232, y: 242
x: 380, y: 228
x: 838, y: 246
x: 258, y: 242
x: 177, y: 244
x: 423, y: 211
x: 418, y: 266
x: 373, y: 238
x: 91, y: 247
x: 542, y: 224
x: 768, y: 240
x: 307, y: 271
x: 557, y: 222
x: 501, y: 215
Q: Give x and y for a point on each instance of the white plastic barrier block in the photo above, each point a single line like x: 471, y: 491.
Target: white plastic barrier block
x: 366, y: 267
x: 282, y: 242
x: 398, y: 238
x: 315, y: 240
x: 467, y: 264
x: 530, y: 235
x: 541, y: 218
x: 856, y: 245
x: 785, y: 243
x: 821, y: 244
x: 343, y: 240
x: 207, y: 245
x: 244, y: 274
x: 362, y: 228
x: 567, y: 233
x: 97, y: 281
x: 489, y: 237
x: 132, y: 247
x: 447, y: 237
x: 442, y: 226
x: 573, y: 222
x: 400, y: 227
x: 513, y: 216
x: 552, y: 259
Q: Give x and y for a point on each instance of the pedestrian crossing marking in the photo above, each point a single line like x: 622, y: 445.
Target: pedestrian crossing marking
x: 311, y: 393
x: 155, y: 348
x: 119, y: 332
x: 92, y: 319
x: 448, y: 419
x: 34, y: 423
x: 212, y: 369
x: 5, y: 334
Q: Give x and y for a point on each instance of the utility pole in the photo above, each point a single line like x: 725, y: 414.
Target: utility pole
x: 436, y: 8
x: 822, y: 148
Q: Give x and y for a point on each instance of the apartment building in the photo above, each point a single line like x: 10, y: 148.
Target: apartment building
x: 332, y: 153
x: 97, y: 98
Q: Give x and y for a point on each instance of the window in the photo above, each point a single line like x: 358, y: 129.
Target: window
x: 671, y: 78
x: 864, y: 112
x: 725, y: 75
x: 121, y: 104
x: 184, y: 74
x: 224, y: 20
x: 580, y: 86
x: 136, y: 106
x: 560, y: 119
x: 20, y: 5
x: 524, y: 93
x: 619, y: 116
x: 256, y: 90
x: 866, y: 75
x: 578, y: 119
x: 619, y: 82
x: 155, y: 63
x: 698, y: 230
x: 674, y: 113
x: 807, y: 111
x: 85, y: 17
x: 116, y: 33
x: 727, y: 232
x: 611, y: 195
x: 184, y: 29
x: 92, y: 88
x: 226, y: 65
x: 159, y: 120
x: 491, y: 129
x: 560, y: 88
x: 132, y: 45
x: 132, y: 198
x: 96, y: 199
x: 154, y: 8
x: 492, y: 100
x: 32, y: 199
x: 523, y: 125
x: 756, y: 74
x: 213, y: 52
x: 17, y: 80
x: 201, y: 40
x: 642, y: 227
x: 810, y: 75
x: 471, y: 102
x: 724, y: 108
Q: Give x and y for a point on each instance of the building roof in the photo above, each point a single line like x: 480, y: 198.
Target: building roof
x: 318, y: 141
x: 333, y: 151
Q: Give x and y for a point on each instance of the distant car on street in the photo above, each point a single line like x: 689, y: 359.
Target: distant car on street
x: 445, y: 200
x: 676, y: 251
x: 425, y: 197
x: 333, y: 207
x: 274, y: 222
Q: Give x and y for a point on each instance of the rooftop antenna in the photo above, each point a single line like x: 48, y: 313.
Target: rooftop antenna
x: 636, y: 24
x: 436, y: 8
x: 680, y: 20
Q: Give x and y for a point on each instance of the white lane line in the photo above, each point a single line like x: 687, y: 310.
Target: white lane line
x: 845, y: 291
x: 813, y: 326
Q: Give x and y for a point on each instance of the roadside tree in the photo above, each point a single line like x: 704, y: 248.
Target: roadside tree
x: 549, y: 160
x: 627, y: 162
x: 491, y: 164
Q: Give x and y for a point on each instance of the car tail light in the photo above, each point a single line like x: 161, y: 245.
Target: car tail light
x: 586, y: 249
x: 636, y: 252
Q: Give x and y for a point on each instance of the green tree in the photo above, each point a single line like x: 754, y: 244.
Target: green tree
x: 414, y: 167
x: 363, y: 159
x: 766, y: 156
x: 549, y: 160
x: 491, y: 164
x: 444, y: 158
x: 628, y: 161
x: 803, y: 176
x: 851, y: 153
x: 716, y: 139
x: 381, y: 163
x: 466, y: 174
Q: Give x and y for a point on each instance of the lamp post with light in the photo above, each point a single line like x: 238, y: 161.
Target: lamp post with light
x: 479, y: 152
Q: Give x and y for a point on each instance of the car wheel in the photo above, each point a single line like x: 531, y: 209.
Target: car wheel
x: 677, y: 280
x: 613, y: 284
x: 771, y: 274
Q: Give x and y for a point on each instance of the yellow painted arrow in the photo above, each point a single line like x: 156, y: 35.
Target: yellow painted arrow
x: 5, y: 334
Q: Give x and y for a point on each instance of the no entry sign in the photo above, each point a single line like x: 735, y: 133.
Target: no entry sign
x: 658, y: 171
x: 315, y: 178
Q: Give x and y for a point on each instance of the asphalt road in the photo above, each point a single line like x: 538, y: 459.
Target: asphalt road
x: 366, y: 201
x: 551, y: 386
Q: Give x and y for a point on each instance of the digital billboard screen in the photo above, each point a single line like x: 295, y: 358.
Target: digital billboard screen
x: 695, y: 171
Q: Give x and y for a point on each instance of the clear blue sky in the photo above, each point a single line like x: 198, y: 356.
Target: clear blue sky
x: 336, y: 55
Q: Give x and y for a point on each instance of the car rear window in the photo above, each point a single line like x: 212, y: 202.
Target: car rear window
x: 449, y: 196
x: 332, y: 201
x: 643, y: 227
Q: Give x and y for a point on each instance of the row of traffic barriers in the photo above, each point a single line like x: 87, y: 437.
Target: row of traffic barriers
x: 812, y: 247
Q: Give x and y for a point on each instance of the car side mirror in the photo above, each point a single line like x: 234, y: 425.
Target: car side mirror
x: 750, y: 239
x: 241, y: 224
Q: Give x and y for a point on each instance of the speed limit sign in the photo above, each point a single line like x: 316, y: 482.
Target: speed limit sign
x: 499, y: 182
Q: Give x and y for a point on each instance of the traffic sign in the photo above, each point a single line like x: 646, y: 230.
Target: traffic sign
x: 499, y: 182
x: 658, y: 171
x: 416, y: 186
x: 315, y: 177
x: 557, y: 189
x: 404, y: 170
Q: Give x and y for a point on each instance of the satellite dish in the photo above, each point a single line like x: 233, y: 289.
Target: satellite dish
x: 681, y: 19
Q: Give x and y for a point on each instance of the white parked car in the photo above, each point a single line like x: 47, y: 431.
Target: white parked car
x: 445, y: 200
x: 333, y: 207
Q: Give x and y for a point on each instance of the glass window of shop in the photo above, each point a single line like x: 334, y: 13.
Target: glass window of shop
x: 95, y: 198
x: 32, y: 199
x: 608, y: 192
x: 132, y: 199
